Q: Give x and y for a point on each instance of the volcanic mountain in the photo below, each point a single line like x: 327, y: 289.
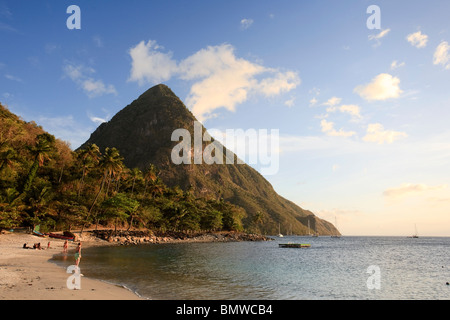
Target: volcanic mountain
x: 142, y: 132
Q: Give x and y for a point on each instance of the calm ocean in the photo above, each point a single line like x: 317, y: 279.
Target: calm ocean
x: 332, y: 268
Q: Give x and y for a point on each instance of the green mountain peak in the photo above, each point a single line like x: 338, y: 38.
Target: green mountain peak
x: 142, y: 133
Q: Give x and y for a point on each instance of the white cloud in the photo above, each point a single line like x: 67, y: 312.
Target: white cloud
x: 442, y: 55
x: 82, y: 77
x: 332, y: 101
x: 280, y: 83
x: 218, y: 67
x: 220, y: 78
x: 383, y: 87
x: 213, y: 60
x: 97, y: 120
x: 395, y: 65
x: 74, y: 72
x: 205, y: 97
x: 150, y: 65
x: 13, y: 78
x: 376, y: 133
x: 351, y: 109
x: 410, y: 188
x: 328, y: 128
x: 246, y: 23
x: 95, y: 88
x: 417, y: 39
x: 379, y: 36
x: 235, y: 86
x: 290, y: 103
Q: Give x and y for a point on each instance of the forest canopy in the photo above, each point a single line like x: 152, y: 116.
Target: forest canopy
x: 43, y: 182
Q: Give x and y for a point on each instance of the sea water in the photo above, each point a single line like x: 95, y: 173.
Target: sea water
x: 332, y: 268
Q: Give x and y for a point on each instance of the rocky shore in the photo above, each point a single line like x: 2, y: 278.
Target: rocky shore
x: 122, y: 237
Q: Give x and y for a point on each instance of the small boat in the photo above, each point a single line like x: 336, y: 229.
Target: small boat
x: 280, y: 235
x: 415, y: 235
x: 294, y: 245
x: 65, y: 236
x: 37, y: 232
x: 335, y: 225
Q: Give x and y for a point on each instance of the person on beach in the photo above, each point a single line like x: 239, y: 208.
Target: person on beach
x: 78, y: 254
x: 65, y: 246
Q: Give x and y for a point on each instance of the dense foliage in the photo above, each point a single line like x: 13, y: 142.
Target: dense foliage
x: 43, y: 182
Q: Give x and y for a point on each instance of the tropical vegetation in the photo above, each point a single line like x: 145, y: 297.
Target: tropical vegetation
x: 43, y: 182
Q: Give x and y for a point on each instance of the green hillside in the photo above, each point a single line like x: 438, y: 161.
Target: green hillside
x: 43, y: 182
x: 142, y: 133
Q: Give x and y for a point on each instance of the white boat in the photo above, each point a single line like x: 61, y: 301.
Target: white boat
x: 279, y: 231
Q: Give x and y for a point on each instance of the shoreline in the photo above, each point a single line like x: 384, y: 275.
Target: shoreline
x: 134, y: 237
x: 29, y: 274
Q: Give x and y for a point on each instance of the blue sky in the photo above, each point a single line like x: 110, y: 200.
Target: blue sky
x: 362, y: 114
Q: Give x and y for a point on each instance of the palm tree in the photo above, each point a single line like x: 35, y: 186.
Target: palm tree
x: 124, y: 173
x: 88, y: 157
x: 111, y: 163
x: 157, y: 187
x: 38, y: 202
x: 41, y: 152
x: 7, y: 158
x: 135, y: 174
x: 150, y: 176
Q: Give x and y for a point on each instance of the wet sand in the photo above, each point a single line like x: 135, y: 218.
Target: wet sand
x: 27, y: 274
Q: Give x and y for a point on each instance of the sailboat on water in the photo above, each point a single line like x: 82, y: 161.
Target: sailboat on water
x: 335, y: 224
x: 279, y: 231
x: 416, y: 234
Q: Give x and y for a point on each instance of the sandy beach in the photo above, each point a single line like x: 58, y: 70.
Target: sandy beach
x: 27, y: 274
